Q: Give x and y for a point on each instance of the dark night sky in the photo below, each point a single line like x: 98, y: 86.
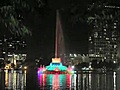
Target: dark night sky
x: 42, y: 23
x: 43, y: 28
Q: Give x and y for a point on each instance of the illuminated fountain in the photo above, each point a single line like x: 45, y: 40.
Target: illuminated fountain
x: 55, y: 67
x: 56, y: 64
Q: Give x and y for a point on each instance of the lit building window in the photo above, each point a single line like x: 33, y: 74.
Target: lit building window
x: 10, y: 45
x: 18, y: 41
x: 100, y: 48
x: 89, y: 38
x: 96, y: 34
x: 104, y: 57
x: 115, y: 46
x: 91, y: 54
x: 71, y: 55
x: 104, y: 29
x: 4, y: 52
x: 113, y: 38
x: 115, y: 23
x: 106, y: 25
x: 107, y: 38
x: 104, y: 33
x: 115, y: 27
x: 75, y: 55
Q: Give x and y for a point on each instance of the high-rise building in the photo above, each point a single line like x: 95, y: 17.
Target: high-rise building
x: 104, y: 35
x: 13, y: 49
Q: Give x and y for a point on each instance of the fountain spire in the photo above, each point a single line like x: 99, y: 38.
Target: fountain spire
x: 59, y: 42
x: 56, y: 41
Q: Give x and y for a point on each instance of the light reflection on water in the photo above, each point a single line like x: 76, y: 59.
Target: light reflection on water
x: 13, y: 80
x: 16, y: 80
x: 83, y: 81
x: 54, y: 81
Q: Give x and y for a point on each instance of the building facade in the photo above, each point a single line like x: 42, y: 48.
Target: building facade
x: 13, y: 50
x: 104, y: 35
x: 75, y: 59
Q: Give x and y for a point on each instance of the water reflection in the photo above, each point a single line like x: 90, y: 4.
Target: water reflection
x: 54, y: 81
x: 81, y: 81
x: 13, y: 80
x: 16, y: 80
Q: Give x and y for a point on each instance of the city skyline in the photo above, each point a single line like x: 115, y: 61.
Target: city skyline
x: 105, y: 36
x: 42, y: 24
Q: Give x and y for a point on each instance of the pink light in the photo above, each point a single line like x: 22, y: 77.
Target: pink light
x: 68, y: 81
x: 69, y: 68
x: 42, y: 80
x: 41, y: 69
x: 55, y: 82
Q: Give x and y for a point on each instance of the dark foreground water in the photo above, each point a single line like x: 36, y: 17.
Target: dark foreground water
x: 30, y: 80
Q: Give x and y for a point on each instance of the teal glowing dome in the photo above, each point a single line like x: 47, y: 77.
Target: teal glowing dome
x: 56, y: 67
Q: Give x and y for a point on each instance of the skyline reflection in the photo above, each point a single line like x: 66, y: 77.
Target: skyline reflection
x: 15, y: 80
x: 82, y: 81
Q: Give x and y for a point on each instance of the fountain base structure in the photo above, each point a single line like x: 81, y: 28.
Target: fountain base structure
x: 55, y: 67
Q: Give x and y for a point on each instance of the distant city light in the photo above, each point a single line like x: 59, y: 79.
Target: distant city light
x: 114, y: 61
x: 4, y: 52
x: 25, y: 67
x: 75, y: 55
x: 10, y: 45
x: 73, y: 67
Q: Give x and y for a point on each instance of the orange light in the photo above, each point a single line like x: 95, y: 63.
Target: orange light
x: 56, y: 60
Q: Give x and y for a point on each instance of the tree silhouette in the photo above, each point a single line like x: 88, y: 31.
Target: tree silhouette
x: 11, y: 14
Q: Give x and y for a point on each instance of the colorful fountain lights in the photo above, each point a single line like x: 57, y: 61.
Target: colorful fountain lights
x: 55, y: 66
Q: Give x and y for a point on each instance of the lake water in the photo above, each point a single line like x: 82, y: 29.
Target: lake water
x: 30, y: 80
